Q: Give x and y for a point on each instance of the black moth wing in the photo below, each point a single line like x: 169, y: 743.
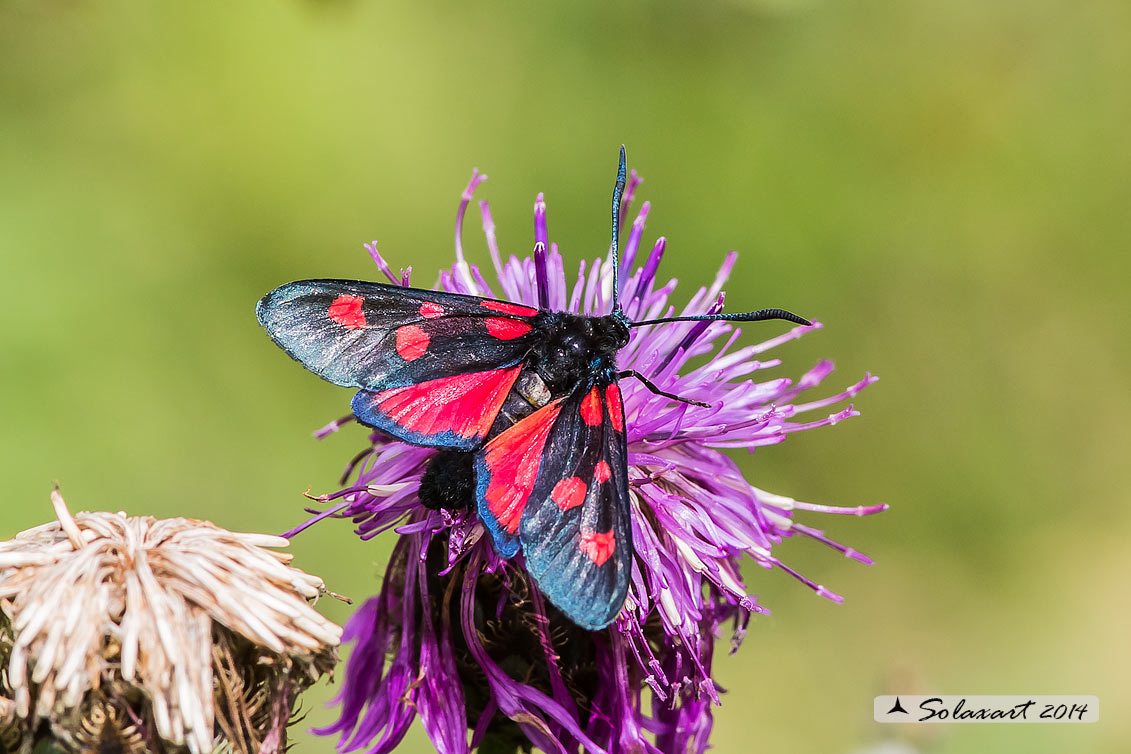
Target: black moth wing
x: 375, y: 336
x: 576, y: 529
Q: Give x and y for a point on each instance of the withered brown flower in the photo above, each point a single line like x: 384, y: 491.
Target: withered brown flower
x: 134, y: 634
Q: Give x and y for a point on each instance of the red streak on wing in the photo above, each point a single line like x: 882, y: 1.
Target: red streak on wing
x: 591, y: 410
x: 513, y: 459
x: 412, y: 342
x: 465, y: 404
x: 346, y: 311
x: 616, y: 408
x: 507, y: 329
x: 508, y: 308
x: 602, y: 472
x: 599, y: 546
x: 569, y: 493
x: 431, y: 310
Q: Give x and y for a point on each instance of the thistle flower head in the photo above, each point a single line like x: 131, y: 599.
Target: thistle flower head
x: 141, y: 634
x: 470, y: 642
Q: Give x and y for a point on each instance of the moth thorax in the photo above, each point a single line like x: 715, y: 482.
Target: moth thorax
x: 570, y: 345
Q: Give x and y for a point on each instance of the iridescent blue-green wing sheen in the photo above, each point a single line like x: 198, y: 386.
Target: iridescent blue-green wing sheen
x: 556, y: 483
x: 433, y: 367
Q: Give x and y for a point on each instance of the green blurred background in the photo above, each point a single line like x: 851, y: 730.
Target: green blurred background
x: 945, y: 185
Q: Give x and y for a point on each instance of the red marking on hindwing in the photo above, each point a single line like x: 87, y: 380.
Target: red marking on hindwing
x: 616, y: 408
x: 346, y: 311
x: 569, y: 493
x: 431, y: 310
x: 602, y: 472
x: 465, y: 404
x: 412, y: 342
x: 508, y: 308
x: 599, y: 546
x: 513, y: 459
x: 591, y: 412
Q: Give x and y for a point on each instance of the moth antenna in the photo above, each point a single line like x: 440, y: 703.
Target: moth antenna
x: 758, y: 316
x: 618, y: 192
x: 648, y: 384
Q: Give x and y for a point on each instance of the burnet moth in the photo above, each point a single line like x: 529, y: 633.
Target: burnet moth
x: 523, y: 404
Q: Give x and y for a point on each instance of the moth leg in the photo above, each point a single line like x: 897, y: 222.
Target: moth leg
x: 648, y: 384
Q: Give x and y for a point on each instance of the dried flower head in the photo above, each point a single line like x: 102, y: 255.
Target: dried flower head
x: 136, y: 634
x: 462, y: 637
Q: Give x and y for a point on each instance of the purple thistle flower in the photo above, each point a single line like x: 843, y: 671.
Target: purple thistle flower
x: 463, y: 639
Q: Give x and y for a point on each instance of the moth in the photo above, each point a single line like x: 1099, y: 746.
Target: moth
x: 523, y: 403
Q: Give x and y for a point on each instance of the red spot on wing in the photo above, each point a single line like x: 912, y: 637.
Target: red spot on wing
x: 412, y: 342
x: 508, y: 308
x: 507, y: 329
x: 602, y: 472
x: 346, y: 311
x: 569, y: 493
x: 431, y: 310
x: 465, y: 404
x: 512, y: 460
x: 599, y: 546
x: 591, y: 412
x: 616, y: 408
